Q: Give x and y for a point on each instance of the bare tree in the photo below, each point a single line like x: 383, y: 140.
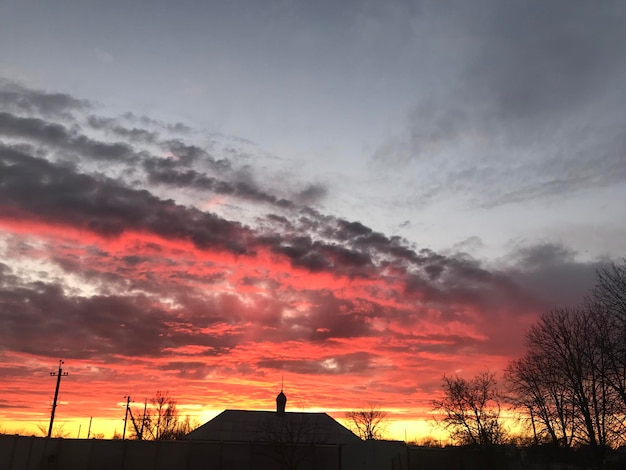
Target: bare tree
x: 368, y: 423
x: 564, y: 346
x: 607, y: 305
x: 470, y: 410
x: 185, y: 426
x: 610, y: 290
x: 544, y: 400
x: 571, y: 383
x: 57, y: 431
x: 427, y: 441
x: 160, y: 420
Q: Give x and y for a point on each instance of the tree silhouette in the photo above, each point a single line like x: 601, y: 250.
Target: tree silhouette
x: 607, y: 305
x: 57, y: 431
x: 470, y: 410
x: 571, y: 382
x: 160, y: 420
x: 367, y: 423
x: 562, y: 380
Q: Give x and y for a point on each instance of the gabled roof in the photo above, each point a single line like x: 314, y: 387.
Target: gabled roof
x: 269, y: 426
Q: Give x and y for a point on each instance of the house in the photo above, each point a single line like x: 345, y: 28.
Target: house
x: 278, y: 426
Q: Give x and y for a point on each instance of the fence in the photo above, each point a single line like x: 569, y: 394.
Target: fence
x: 33, y: 453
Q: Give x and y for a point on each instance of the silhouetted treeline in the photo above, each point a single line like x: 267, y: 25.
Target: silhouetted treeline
x: 159, y: 420
x: 570, y: 385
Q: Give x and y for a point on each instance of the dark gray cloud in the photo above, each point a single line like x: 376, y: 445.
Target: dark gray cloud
x: 185, y: 166
x: 176, y: 128
x: 353, y: 363
x: 113, y: 126
x: 312, y: 194
x: 158, y: 173
x: 187, y: 154
x: 34, y: 187
x: 48, y: 320
x: 188, y: 369
x: 16, y: 98
x: 75, y: 327
x: 60, y: 137
x: 551, y: 272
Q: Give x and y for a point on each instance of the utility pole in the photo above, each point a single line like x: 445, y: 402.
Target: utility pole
x: 126, y: 415
x: 138, y: 433
x: 58, y: 375
x: 143, y: 418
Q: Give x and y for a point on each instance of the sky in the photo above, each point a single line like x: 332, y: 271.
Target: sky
x: 355, y: 198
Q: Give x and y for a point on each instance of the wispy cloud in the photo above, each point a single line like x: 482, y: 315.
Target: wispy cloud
x: 532, y: 109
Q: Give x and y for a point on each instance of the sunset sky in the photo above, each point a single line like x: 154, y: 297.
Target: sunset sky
x: 354, y: 196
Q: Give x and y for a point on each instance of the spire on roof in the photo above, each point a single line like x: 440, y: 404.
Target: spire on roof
x: 281, y: 399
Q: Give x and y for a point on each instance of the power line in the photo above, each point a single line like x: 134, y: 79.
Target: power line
x: 58, y: 375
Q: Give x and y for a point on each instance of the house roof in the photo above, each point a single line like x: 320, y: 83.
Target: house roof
x: 269, y: 426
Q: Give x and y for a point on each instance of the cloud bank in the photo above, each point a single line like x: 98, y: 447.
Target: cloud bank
x: 121, y: 255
